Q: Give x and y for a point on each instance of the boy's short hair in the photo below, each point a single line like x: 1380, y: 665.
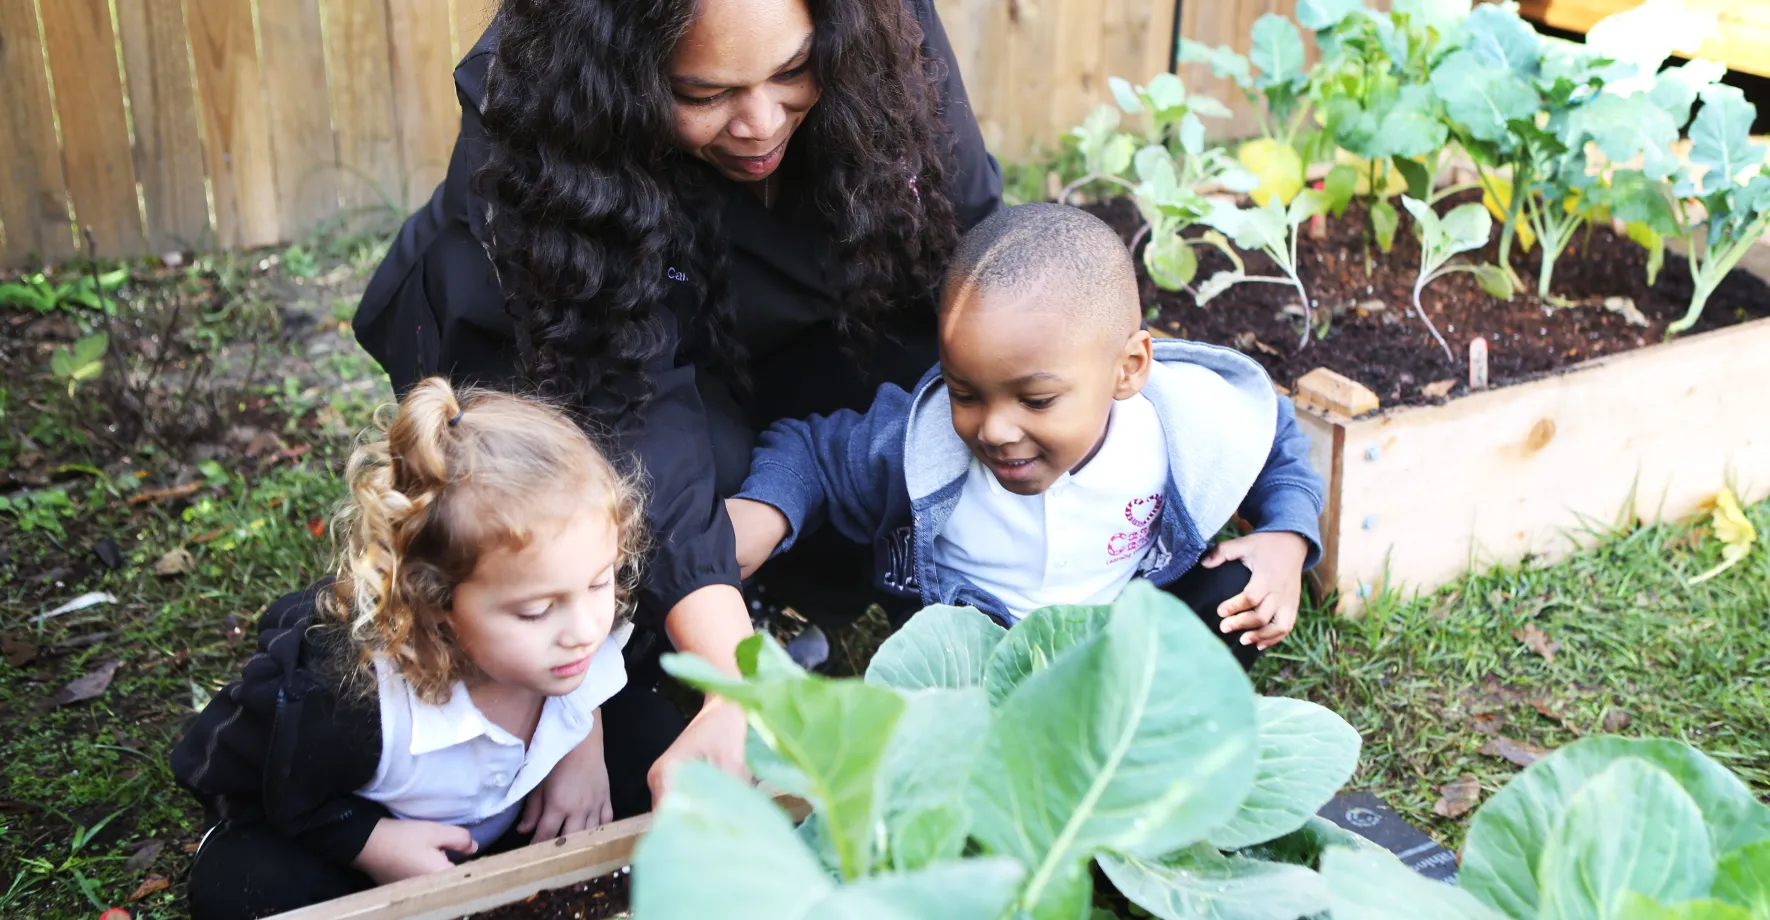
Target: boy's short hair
x: 1072, y: 256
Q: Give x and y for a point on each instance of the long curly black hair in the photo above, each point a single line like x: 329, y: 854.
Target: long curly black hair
x: 593, y: 200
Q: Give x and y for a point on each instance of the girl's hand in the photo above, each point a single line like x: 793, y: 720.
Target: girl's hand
x: 574, y: 797
x: 398, y: 849
x: 716, y: 735
x: 1267, y: 607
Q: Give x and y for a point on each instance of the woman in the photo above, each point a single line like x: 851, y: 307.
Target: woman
x: 689, y: 218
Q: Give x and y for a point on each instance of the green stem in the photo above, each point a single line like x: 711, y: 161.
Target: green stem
x: 1450, y: 190
x: 1713, y: 268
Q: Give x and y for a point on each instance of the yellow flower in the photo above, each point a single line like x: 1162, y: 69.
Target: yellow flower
x: 1735, y: 532
x: 1278, y: 166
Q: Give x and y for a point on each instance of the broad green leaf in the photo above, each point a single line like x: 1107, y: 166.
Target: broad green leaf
x: 1037, y: 642
x: 1631, y: 828
x: 1217, y: 284
x: 1625, y: 128
x: 1069, y: 896
x: 720, y: 848
x: 90, y: 348
x: 1277, y: 49
x: 1124, y: 95
x: 1225, y: 63
x: 1166, y: 92
x: 1316, y: 15
x: 771, y: 768
x: 926, y: 771
x: 1494, y: 280
x: 1506, y: 838
x: 1304, y: 846
x: 1720, y: 137
x: 1649, y: 239
x: 1116, y: 155
x: 1742, y: 877
x: 1384, y: 220
x: 1368, y: 884
x: 1155, y: 170
x: 1431, y: 229
x: 1641, y: 907
x: 939, y: 647
x: 1481, y: 98
x: 1500, y: 38
x: 1306, y: 754
x: 1467, y: 227
x: 1171, y: 262
x: 1446, y: 16
x: 1192, y: 133
x: 1308, y: 203
x: 1411, y: 128
x: 61, y: 363
x: 1419, y: 178
x: 1341, y: 184
x: 834, y: 732
x: 1634, y: 198
x: 975, y: 889
x: 1199, y: 883
x: 1675, y: 88
x: 761, y: 657
x: 1207, y: 107
x: 1139, y: 739
x: 1252, y: 229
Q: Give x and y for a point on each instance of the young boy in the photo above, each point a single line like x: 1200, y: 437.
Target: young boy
x: 1056, y: 452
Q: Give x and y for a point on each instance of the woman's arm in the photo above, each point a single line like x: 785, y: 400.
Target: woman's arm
x: 710, y: 623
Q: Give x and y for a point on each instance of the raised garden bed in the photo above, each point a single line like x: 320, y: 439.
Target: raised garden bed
x: 1589, y: 421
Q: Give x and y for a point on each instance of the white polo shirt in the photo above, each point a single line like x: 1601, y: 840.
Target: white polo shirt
x: 450, y: 763
x: 1080, y: 542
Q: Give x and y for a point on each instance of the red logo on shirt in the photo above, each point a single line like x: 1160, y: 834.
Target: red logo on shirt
x: 1122, y: 546
x: 1141, y: 511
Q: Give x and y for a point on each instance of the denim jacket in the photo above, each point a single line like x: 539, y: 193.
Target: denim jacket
x: 892, y: 476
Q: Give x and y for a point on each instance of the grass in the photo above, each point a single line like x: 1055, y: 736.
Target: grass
x: 1428, y: 681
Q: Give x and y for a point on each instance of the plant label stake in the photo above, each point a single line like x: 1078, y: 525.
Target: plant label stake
x: 1478, y: 364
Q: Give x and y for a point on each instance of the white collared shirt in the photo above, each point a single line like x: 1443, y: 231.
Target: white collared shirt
x: 1079, y: 542
x: 450, y: 763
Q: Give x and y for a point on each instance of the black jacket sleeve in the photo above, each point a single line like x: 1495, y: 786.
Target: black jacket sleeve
x: 976, y: 184
x: 282, y: 745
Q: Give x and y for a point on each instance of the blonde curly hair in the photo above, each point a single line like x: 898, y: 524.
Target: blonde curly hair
x: 454, y: 475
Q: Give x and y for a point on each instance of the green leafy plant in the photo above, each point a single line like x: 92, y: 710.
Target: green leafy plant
x: 1276, y: 93
x: 1466, y: 227
x: 1271, y: 229
x: 1172, y: 169
x: 82, y: 361
x: 75, y: 865
x: 43, y: 294
x: 978, y: 770
x: 1605, y: 827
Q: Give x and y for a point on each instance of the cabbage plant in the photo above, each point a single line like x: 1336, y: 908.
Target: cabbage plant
x: 983, y: 772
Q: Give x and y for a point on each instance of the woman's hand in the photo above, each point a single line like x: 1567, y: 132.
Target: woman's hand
x: 398, y: 849
x: 709, y: 623
x: 1267, y: 607
x: 574, y: 796
x: 759, y: 528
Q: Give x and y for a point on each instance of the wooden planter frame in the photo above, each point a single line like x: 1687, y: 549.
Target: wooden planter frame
x: 1418, y: 496
x: 494, y: 881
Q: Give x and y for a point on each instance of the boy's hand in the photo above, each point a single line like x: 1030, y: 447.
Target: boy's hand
x: 759, y: 528
x: 1267, y: 607
x: 398, y: 849
x: 574, y: 796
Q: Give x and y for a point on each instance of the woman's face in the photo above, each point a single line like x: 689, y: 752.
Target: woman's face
x: 742, y: 81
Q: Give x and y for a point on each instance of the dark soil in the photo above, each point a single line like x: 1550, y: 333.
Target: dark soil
x: 597, y: 898
x: 1374, y: 336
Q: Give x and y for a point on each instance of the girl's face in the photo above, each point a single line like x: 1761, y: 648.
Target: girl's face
x: 742, y: 81
x: 532, y: 618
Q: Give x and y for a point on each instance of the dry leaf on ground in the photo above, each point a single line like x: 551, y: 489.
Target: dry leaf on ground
x: 87, y: 687
x: 1439, y: 389
x: 1537, y: 641
x: 1615, y: 720
x: 1548, y: 711
x: 152, y: 884
x: 1522, y: 753
x: 175, y: 562
x: 1459, y: 796
x: 1625, y: 308
x: 1487, y: 723
x: 18, y: 652
x: 143, y: 856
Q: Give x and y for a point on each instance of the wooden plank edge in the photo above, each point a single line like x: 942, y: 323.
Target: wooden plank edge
x: 505, y: 878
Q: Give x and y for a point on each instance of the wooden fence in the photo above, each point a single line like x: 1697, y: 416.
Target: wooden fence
x: 166, y: 125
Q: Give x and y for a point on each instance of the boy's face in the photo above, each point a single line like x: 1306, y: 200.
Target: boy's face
x: 1031, y: 393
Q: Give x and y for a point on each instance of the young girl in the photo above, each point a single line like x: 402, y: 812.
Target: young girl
x: 397, y: 715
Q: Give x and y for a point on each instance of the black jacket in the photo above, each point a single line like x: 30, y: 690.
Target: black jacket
x: 434, y: 307
x: 283, y: 746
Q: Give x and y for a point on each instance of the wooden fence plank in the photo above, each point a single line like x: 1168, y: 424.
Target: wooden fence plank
x: 33, y: 191
x: 423, y: 93
x: 163, y: 108
x: 300, y: 114
x: 94, y: 129
x: 242, y: 171
x: 362, y: 107
x: 470, y: 20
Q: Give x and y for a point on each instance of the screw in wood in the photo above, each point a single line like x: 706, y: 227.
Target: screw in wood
x: 1370, y: 522
x: 1372, y: 452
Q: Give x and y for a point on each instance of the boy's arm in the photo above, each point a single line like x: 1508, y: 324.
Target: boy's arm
x: 843, y: 468
x: 1287, y: 496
